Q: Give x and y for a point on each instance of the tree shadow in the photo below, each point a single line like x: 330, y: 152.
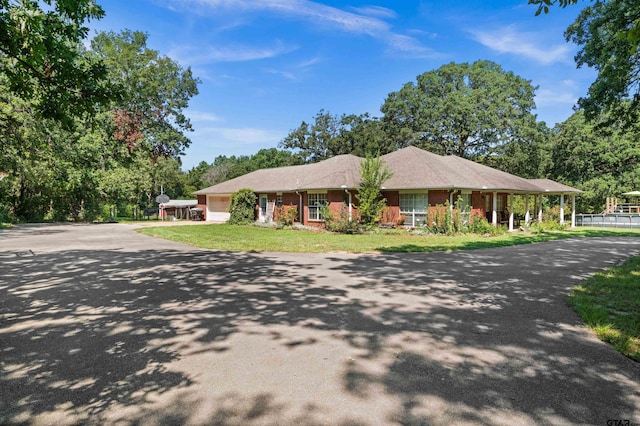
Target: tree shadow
x: 83, y: 331
x: 489, y: 334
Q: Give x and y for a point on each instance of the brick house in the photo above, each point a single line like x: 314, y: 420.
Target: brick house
x: 420, y: 179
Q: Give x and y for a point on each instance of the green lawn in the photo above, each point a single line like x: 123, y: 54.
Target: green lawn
x: 609, y: 304
x: 253, y: 238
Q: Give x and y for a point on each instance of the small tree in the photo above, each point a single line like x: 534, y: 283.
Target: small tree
x: 373, y: 173
x: 243, y: 207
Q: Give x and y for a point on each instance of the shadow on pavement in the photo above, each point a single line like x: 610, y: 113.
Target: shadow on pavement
x: 444, y: 334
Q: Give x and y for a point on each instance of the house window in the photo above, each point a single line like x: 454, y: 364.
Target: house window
x: 500, y: 203
x: 316, y: 202
x: 414, y: 208
x: 279, y: 200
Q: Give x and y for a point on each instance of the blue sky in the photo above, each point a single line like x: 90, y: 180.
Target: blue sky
x: 267, y: 65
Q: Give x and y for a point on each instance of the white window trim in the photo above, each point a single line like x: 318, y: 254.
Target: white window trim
x: 309, y: 194
x: 412, y: 214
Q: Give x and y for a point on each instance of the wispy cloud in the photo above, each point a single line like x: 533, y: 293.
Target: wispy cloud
x: 365, y: 21
x: 202, y: 116
x: 195, y: 56
x: 298, y: 71
x: 510, y: 40
x: 546, y: 97
x: 375, y: 11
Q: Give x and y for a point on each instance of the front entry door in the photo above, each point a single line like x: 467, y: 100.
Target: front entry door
x: 263, y: 208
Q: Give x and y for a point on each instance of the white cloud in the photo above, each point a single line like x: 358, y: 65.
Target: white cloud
x: 297, y: 71
x: 375, y: 11
x: 547, y: 97
x: 510, y: 40
x: 202, y: 116
x: 366, y: 20
x: 196, y: 56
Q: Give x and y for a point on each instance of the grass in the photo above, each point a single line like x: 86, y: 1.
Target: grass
x: 609, y: 304
x: 253, y: 238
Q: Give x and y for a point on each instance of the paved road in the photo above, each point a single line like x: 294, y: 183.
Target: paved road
x: 101, y: 325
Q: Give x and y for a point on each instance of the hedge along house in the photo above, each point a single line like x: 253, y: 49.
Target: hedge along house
x: 420, y: 179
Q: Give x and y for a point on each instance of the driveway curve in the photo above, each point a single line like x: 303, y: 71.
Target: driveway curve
x: 101, y: 325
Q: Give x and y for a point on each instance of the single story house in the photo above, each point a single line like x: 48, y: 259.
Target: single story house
x: 420, y: 179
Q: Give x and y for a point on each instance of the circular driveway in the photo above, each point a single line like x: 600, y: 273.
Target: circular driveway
x: 99, y: 324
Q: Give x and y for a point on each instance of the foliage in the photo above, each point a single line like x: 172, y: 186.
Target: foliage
x: 601, y: 164
x: 331, y: 135
x: 339, y: 221
x: 224, y: 168
x: 242, y: 208
x: 478, y: 223
x: 609, y: 303
x: 608, y: 33
x: 287, y: 215
x: 527, y: 155
x: 391, y: 217
x: 41, y: 59
x: 157, y: 89
x: 461, y: 109
x: 116, y: 156
x: 373, y: 174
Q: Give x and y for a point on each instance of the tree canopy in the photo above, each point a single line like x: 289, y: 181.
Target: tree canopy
x: 603, y: 164
x: 332, y: 135
x: 42, y: 60
x: 461, y: 109
x: 608, y: 34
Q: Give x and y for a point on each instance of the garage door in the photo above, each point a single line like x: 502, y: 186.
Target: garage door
x: 218, y: 208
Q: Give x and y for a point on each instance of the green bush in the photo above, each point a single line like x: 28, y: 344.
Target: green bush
x: 339, y: 222
x: 242, y: 208
x: 478, y: 223
x: 5, y: 216
x: 373, y: 174
x: 287, y: 215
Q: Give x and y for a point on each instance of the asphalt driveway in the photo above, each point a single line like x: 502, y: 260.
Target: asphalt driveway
x: 100, y: 325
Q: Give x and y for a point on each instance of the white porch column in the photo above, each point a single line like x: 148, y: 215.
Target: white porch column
x: 494, y: 214
x: 561, y: 209
x: 510, y: 212
x: 573, y: 210
x: 527, y: 215
x: 539, y: 208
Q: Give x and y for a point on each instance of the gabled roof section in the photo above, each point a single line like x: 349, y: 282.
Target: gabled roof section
x: 414, y: 168
x: 333, y: 173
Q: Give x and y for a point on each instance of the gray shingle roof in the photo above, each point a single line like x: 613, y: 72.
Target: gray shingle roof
x: 552, y: 187
x: 412, y: 168
x: 332, y: 173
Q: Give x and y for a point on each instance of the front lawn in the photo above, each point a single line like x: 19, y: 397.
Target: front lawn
x: 253, y: 238
x: 609, y: 304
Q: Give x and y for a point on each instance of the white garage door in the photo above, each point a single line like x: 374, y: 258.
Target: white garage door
x: 218, y: 208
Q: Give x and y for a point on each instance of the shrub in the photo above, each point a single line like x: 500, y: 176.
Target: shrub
x: 242, y: 209
x: 478, y: 223
x: 391, y: 217
x: 373, y: 174
x: 339, y: 222
x: 287, y: 215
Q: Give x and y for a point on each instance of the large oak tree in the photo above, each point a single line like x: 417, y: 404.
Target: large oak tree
x: 463, y: 109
